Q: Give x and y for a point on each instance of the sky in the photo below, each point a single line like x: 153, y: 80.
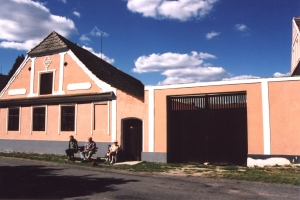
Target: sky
x: 161, y: 42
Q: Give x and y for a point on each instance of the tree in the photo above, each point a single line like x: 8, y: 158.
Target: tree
x: 16, y: 65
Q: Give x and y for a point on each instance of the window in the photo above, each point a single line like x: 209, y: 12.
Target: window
x: 46, y: 83
x: 38, y: 119
x: 67, y: 118
x: 13, y: 119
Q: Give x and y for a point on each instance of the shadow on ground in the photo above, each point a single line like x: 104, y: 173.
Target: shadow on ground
x: 38, y: 182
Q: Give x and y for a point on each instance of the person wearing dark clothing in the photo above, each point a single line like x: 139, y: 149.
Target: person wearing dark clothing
x: 73, y: 148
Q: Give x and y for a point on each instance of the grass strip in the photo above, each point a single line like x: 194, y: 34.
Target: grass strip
x: 275, y: 174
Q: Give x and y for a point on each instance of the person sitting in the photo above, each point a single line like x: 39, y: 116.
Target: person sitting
x: 107, y: 155
x: 73, y: 148
x: 113, y: 151
x: 89, y: 149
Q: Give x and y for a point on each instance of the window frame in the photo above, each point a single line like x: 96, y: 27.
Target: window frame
x: 68, y: 125
x: 16, y: 117
x: 40, y: 81
x: 34, y: 126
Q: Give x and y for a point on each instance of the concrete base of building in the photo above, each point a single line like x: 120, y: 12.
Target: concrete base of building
x: 154, y: 157
x: 271, y: 160
x: 46, y: 147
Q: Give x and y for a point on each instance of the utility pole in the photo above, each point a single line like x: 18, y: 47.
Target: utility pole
x: 101, y: 43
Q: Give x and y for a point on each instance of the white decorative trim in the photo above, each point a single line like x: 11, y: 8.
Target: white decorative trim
x: 143, y: 136
x: 104, y: 86
x: 92, y: 117
x: 7, y: 116
x: 114, y: 120
x: 14, y: 76
x: 266, y: 118
x: 218, y: 83
x: 108, y: 116
x: 31, y: 119
x: 61, y: 73
x: 151, y: 119
x: 31, y: 94
x: 20, y: 113
x: 79, y: 86
x: 16, y: 91
x: 75, y: 120
x: 47, y: 62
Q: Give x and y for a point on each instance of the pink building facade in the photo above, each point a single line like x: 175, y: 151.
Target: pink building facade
x: 61, y: 89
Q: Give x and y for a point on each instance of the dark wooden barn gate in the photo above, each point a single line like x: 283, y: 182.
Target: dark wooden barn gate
x: 207, y: 128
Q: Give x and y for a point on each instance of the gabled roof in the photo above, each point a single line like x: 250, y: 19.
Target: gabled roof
x: 297, y: 21
x: 101, y: 69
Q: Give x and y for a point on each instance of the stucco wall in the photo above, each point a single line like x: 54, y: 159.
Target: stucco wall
x: 131, y: 107
x: 284, y: 117
x: 254, y: 110
x: 21, y: 81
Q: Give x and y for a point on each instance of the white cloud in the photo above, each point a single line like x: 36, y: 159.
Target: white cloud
x: 104, y: 57
x: 212, y: 35
x: 97, y: 32
x: 173, y: 9
x: 190, y: 75
x: 84, y: 38
x: 180, y: 68
x: 24, y: 23
x: 161, y: 62
x: 241, y: 77
x: 64, y: 1
x: 76, y: 14
x: 278, y: 74
x: 241, y: 27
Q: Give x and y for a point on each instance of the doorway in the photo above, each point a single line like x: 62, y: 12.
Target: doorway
x: 132, y: 139
x: 208, y: 128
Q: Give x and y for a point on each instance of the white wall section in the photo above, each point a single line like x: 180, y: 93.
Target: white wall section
x: 266, y: 117
x: 79, y: 86
x: 20, y: 91
x: 151, y: 120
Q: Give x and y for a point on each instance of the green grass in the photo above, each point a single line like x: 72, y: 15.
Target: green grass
x: 231, y: 167
x: 274, y: 174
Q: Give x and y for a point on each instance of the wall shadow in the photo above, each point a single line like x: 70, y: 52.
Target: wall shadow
x: 39, y: 182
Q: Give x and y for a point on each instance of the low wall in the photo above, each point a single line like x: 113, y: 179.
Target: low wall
x: 47, y: 147
x: 154, y: 157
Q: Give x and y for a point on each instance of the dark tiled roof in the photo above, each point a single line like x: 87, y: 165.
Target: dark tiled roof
x: 103, y: 70
x: 297, y: 20
x: 3, y: 81
x: 52, y: 43
x: 296, y: 71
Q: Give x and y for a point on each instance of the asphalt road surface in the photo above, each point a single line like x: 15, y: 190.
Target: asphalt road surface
x: 22, y: 179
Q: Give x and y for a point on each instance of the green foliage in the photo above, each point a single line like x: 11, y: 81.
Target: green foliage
x: 16, y: 65
x: 231, y: 167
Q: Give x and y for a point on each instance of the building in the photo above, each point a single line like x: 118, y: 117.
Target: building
x: 62, y: 89
x: 295, y: 64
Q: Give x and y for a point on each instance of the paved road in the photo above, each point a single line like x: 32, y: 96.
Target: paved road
x: 21, y: 179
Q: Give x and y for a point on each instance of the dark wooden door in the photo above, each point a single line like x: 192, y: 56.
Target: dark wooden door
x: 207, y: 128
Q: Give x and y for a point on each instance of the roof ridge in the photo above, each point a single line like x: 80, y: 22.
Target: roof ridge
x: 51, y: 43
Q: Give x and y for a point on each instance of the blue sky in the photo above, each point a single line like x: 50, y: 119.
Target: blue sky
x: 161, y: 41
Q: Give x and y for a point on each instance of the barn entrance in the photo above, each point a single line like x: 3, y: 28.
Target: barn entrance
x: 207, y: 128
x: 132, y: 138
